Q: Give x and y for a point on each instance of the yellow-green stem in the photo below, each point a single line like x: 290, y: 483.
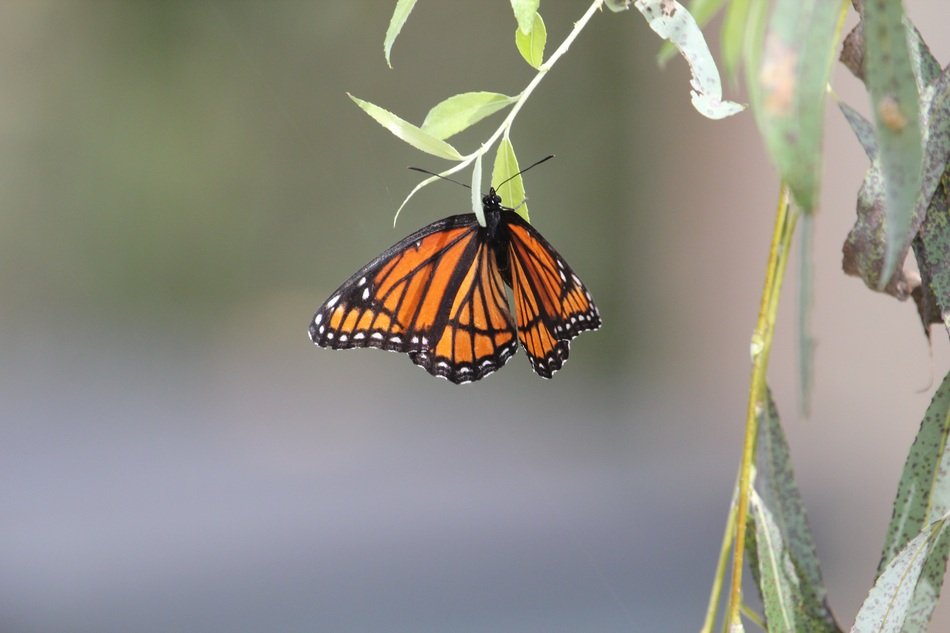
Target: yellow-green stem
x: 761, y: 346
x: 720, y: 576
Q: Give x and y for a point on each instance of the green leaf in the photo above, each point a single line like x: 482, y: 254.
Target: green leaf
x: 776, y: 574
x: 924, y: 490
x: 932, y: 245
x: 932, y: 248
x: 511, y: 192
x: 531, y: 45
x: 408, y: 132
x: 732, y: 37
x: 806, y: 299
x: 477, y: 207
x: 799, y: 49
x: 785, y: 545
x: 862, y: 128
x: 866, y: 245
x: 889, y: 602
x: 400, y: 15
x: 895, y: 103
x: 702, y: 11
x: 461, y: 111
x: 752, y: 46
x: 863, y: 250
x: 525, y: 10
x: 673, y: 22
x: 923, y: 496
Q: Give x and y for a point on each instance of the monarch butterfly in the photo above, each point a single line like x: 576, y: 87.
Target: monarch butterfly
x: 438, y: 296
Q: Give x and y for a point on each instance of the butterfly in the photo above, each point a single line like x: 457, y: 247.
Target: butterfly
x: 439, y: 296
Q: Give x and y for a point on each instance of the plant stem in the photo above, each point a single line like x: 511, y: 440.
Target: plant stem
x: 720, y: 575
x: 760, y: 347
x: 516, y: 108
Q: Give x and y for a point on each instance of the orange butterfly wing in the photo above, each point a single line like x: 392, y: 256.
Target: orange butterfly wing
x: 551, y: 303
x: 437, y: 295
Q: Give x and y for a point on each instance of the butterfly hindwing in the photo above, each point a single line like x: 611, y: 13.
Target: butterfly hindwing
x: 436, y: 295
x: 478, y: 335
x: 551, y: 303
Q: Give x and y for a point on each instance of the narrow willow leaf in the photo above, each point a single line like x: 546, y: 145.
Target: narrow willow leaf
x: 732, y: 37
x: 408, y: 132
x: 926, y: 68
x: 886, y: 608
x: 866, y: 245
x: 512, y: 192
x: 755, y: 26
x: 932, y: 248
x: 935, y: 108
x: 776, y: 486
x: 776, y: 577
x: 525, y: 10
x: 531, y: 45
x: 806, y: 296
x: 932, y: 245
x: 702, y: 11
x: 863, y: 250
x: 895, y: 103
x: 477, y: 207
x: 400, y: 15
x: 923, y: 496
x: 862, y: 128
x: 671, y: 21
x: 461, y: 111
x: 799, y: 49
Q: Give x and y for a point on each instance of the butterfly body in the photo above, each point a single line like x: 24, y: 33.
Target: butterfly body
x: 439, y: 296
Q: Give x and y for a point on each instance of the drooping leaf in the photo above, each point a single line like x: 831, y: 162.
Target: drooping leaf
x: 461, y: 111
x: 862, y: 128
x: 888, y: 604
x: 895, y: 103
x: 531, y: 45
x: 796, y: 64
x: 476, y: 190
x: 525, y: 11
x: 932, y: 249
x: 863, y: 249
x: 753, y: 43
x: 732, y: 37
x: 512, y: 192
x: 806, y: 294
x: 923, y: 496
x: 702, y: 11
x: 932, y: 244
x: 671, y: 21
x: 926, y: 68
x: 788, y: 548
x: 776, y: 577
x: 408, y: 132
x: 399, y: 17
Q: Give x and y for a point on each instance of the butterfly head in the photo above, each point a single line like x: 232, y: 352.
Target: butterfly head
x: 491, y: 200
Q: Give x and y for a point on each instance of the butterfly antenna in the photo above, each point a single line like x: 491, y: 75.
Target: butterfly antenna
x: 432, y: 173
x: 535, y: 164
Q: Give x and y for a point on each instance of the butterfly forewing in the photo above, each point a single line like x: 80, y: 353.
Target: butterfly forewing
x: 436, y: 295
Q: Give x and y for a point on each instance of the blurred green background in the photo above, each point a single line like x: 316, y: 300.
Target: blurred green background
x: 184, y: 182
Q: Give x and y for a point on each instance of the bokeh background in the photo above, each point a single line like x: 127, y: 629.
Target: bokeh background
x: 184, y: 182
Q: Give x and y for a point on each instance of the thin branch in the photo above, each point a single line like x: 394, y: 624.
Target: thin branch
x: 505, y: 126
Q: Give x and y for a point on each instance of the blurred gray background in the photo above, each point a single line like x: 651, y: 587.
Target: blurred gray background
x: 184, y: 182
